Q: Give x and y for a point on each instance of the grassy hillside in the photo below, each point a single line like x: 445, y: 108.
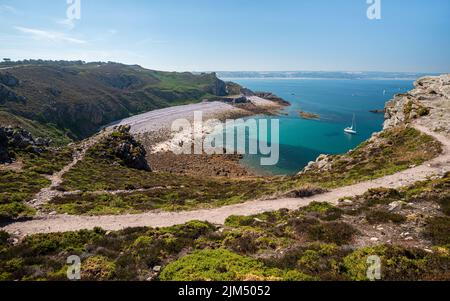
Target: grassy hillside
x: 76, y: 98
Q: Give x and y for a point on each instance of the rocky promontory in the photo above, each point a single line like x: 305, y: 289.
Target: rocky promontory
x: 121, y: 146
x: 428, y: 104
x: 429, y: 101
x: 272, y: 97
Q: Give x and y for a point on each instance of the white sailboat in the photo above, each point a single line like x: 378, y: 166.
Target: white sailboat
x: 352, y: 130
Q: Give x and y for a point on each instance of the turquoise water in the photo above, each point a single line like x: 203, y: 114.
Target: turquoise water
x: 302, y: 141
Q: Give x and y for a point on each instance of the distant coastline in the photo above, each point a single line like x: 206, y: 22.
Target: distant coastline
x: 321, y: 75
x: 315, y: 78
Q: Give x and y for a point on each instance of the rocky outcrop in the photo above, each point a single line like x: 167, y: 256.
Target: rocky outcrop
x: 241, y: 99
x: 428, y: 103
x: 323, y: 163
x: 131, y: 152
x: 218, y: 88
x: 272, y: 97
x: 236, y: 89
x: 19, y: 139
x: 308, y: 115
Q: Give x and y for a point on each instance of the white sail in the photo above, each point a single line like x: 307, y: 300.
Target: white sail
x: 352, y: 129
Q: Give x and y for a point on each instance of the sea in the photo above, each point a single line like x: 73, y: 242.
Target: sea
x: 336, y: 101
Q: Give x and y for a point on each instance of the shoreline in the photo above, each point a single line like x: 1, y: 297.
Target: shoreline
x: 153, y: 129
x: 64, y: 223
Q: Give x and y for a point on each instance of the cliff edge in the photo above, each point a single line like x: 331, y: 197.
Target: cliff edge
x: 428, y: 104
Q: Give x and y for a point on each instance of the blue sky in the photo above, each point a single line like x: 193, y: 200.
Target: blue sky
x: 233, y: 35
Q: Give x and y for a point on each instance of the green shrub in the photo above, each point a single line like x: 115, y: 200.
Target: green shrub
x: 244, y: 242
x: 324, y: 211
x: 98, y: 268
x: 381, y: 196
x: 239, y: 221
x: 334, y: 232
x: 75, y: 242
x: 223, y: 265
x: 438, y: 230
x: 444, y: 202
x: 398, y: 263
x: 423, y: 111
x: 10, y: 212
x: 4, y: 238
x: 383, y: 216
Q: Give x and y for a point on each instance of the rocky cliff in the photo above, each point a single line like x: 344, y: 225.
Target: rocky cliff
x: 428, y: 103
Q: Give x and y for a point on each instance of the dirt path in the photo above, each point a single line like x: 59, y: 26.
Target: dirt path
x: 48, y: 193
x: 63, y: 223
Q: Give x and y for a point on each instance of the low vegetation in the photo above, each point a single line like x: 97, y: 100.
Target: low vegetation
x: 19, y: 186
x: 414, y: 110
x: 394, y: 150
x: 50, y: 131
x: 101, y: 172
x: 223, y: 265
x: 400, y: 264
x: 317, y: 242
x: 415, y: 204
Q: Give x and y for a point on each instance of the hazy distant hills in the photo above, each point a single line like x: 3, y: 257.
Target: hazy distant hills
x: 321, y: 75
x: 74, y: 98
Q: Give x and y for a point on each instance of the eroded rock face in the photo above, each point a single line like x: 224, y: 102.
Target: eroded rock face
x: 428, y: 102
x: 218, y: 88
x: 129, y: 150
